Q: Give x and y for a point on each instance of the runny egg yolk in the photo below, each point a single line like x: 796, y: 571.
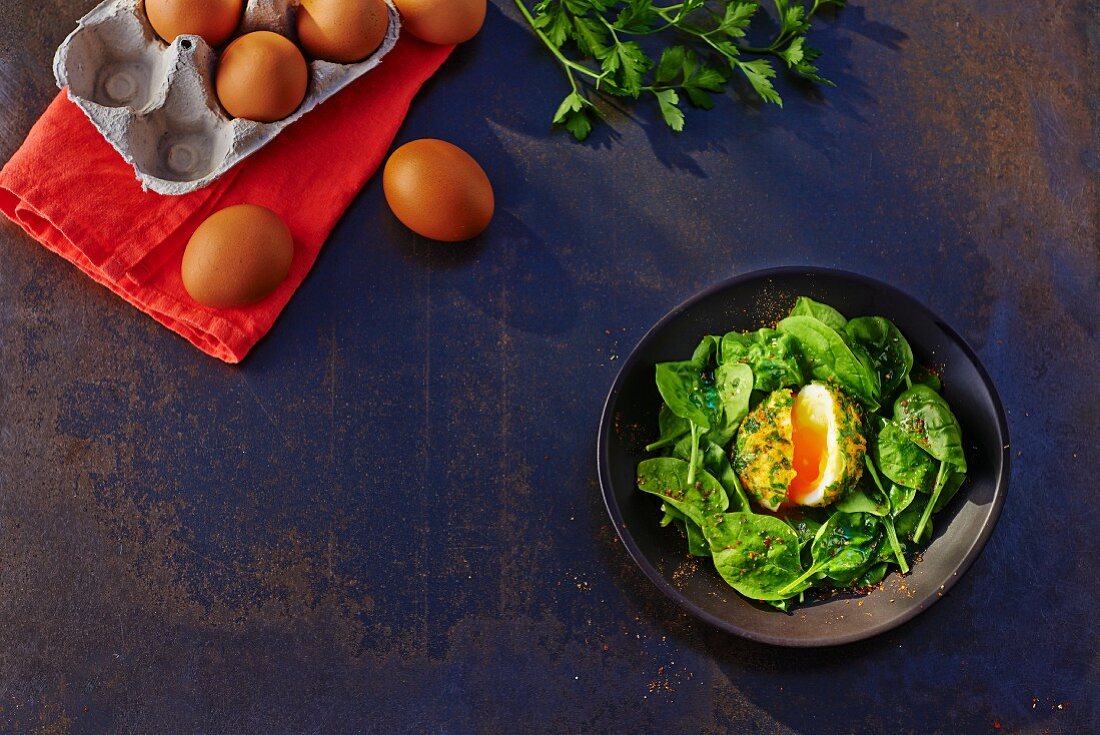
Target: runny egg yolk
x: 810, y: 439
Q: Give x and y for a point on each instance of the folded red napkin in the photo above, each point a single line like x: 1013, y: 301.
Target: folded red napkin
x: 70, y: 190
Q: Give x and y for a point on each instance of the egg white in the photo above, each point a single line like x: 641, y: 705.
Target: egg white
x: 820, y: 406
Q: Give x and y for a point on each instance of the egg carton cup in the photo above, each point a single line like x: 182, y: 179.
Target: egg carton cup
x: 155, y: 101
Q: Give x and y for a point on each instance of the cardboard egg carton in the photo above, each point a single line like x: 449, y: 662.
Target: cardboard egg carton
x: 155, y: 101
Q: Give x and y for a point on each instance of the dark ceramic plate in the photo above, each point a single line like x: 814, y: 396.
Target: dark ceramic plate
x: 758, y: 299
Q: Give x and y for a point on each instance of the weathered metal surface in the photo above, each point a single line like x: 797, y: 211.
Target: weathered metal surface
x: 387, y: 519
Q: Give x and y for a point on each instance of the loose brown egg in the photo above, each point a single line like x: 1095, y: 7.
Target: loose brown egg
x: 442, y: 21
x: 262, y: 76
x: 214, y: 20
x: 343, y: 31
x: 238, y: 256
x: 437, y: 190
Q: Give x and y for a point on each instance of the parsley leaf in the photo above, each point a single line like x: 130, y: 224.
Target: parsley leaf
x: 759, y: 72
x: 629, y: 64
x: 799, y: 57
x: 736, y: 18
x: 669, y: 102
x: 591, y: 37
x: 573, y: 114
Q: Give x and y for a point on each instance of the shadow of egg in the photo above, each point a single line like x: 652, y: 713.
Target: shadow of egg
x: 508, y: 272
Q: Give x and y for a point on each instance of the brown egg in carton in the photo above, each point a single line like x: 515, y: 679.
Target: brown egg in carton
x: 155, y: 101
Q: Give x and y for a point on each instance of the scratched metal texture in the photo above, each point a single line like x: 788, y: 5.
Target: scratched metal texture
x: 387, y: 519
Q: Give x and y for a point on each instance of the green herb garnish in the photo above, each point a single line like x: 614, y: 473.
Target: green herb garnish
x: 667, y: 53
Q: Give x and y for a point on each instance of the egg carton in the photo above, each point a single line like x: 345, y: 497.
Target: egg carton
x: 155, y: 101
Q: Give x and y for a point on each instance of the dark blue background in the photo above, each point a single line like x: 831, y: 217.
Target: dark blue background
x: 387, y: 519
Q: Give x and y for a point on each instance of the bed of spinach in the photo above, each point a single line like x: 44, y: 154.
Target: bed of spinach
x: 914, y: 465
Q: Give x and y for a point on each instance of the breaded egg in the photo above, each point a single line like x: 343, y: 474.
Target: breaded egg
x: 237, y: 257
x: 261, y: 76
x: 342, y: 31
x: 214, y: 20
x: 763, y: 450
x: 804, y: 449
x: 442, y: 21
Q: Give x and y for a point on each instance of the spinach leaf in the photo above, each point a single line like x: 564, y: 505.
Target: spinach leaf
x: 844, y: 548
x: 830, y: 358
x: 864, y: 359
x: 734, y: 383
x: 686, y: 393
x: 671, y: 428
x: 889, y: 514
x: 907, y: 520
x: 847, y: 544
x: 928, y: 421
x: 923, y: 375
x: 715, y: 461
x: 667, y: 478
x: 757, y: 555
x: 954, y: 482
x: 773, y: 357
x: 905, y: 526
x: 872, y: 576
x: 915, y: 520
x: 706, y: 351
x: 715, y: 401
x: 900, y: 458
x: 697, y: 545
x: 827, y: 315
x: 864, y: 498
x: 670, y: 514
x: 887, y: 348
x: 900, y: 498
x: 805, y: 528
x: 697, y: 542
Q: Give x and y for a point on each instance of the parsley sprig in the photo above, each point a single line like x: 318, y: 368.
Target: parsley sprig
x: 602, y: 47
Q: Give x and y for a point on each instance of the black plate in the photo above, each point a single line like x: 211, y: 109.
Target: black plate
x: 757, y: 299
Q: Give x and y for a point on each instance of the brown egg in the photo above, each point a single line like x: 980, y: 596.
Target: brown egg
x: 214, y: 20
x: 262, y: 76
x: 344, y: 31
x: 437, y: 190
x: 238, y: 256
x: 442, y: 21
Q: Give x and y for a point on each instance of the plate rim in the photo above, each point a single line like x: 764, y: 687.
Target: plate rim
x: 921, y: 604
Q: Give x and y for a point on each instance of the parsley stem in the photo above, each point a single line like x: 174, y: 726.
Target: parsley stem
x: 611, y: 28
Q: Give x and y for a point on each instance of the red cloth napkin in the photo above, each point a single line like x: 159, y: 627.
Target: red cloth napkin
x: 70, y: 190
